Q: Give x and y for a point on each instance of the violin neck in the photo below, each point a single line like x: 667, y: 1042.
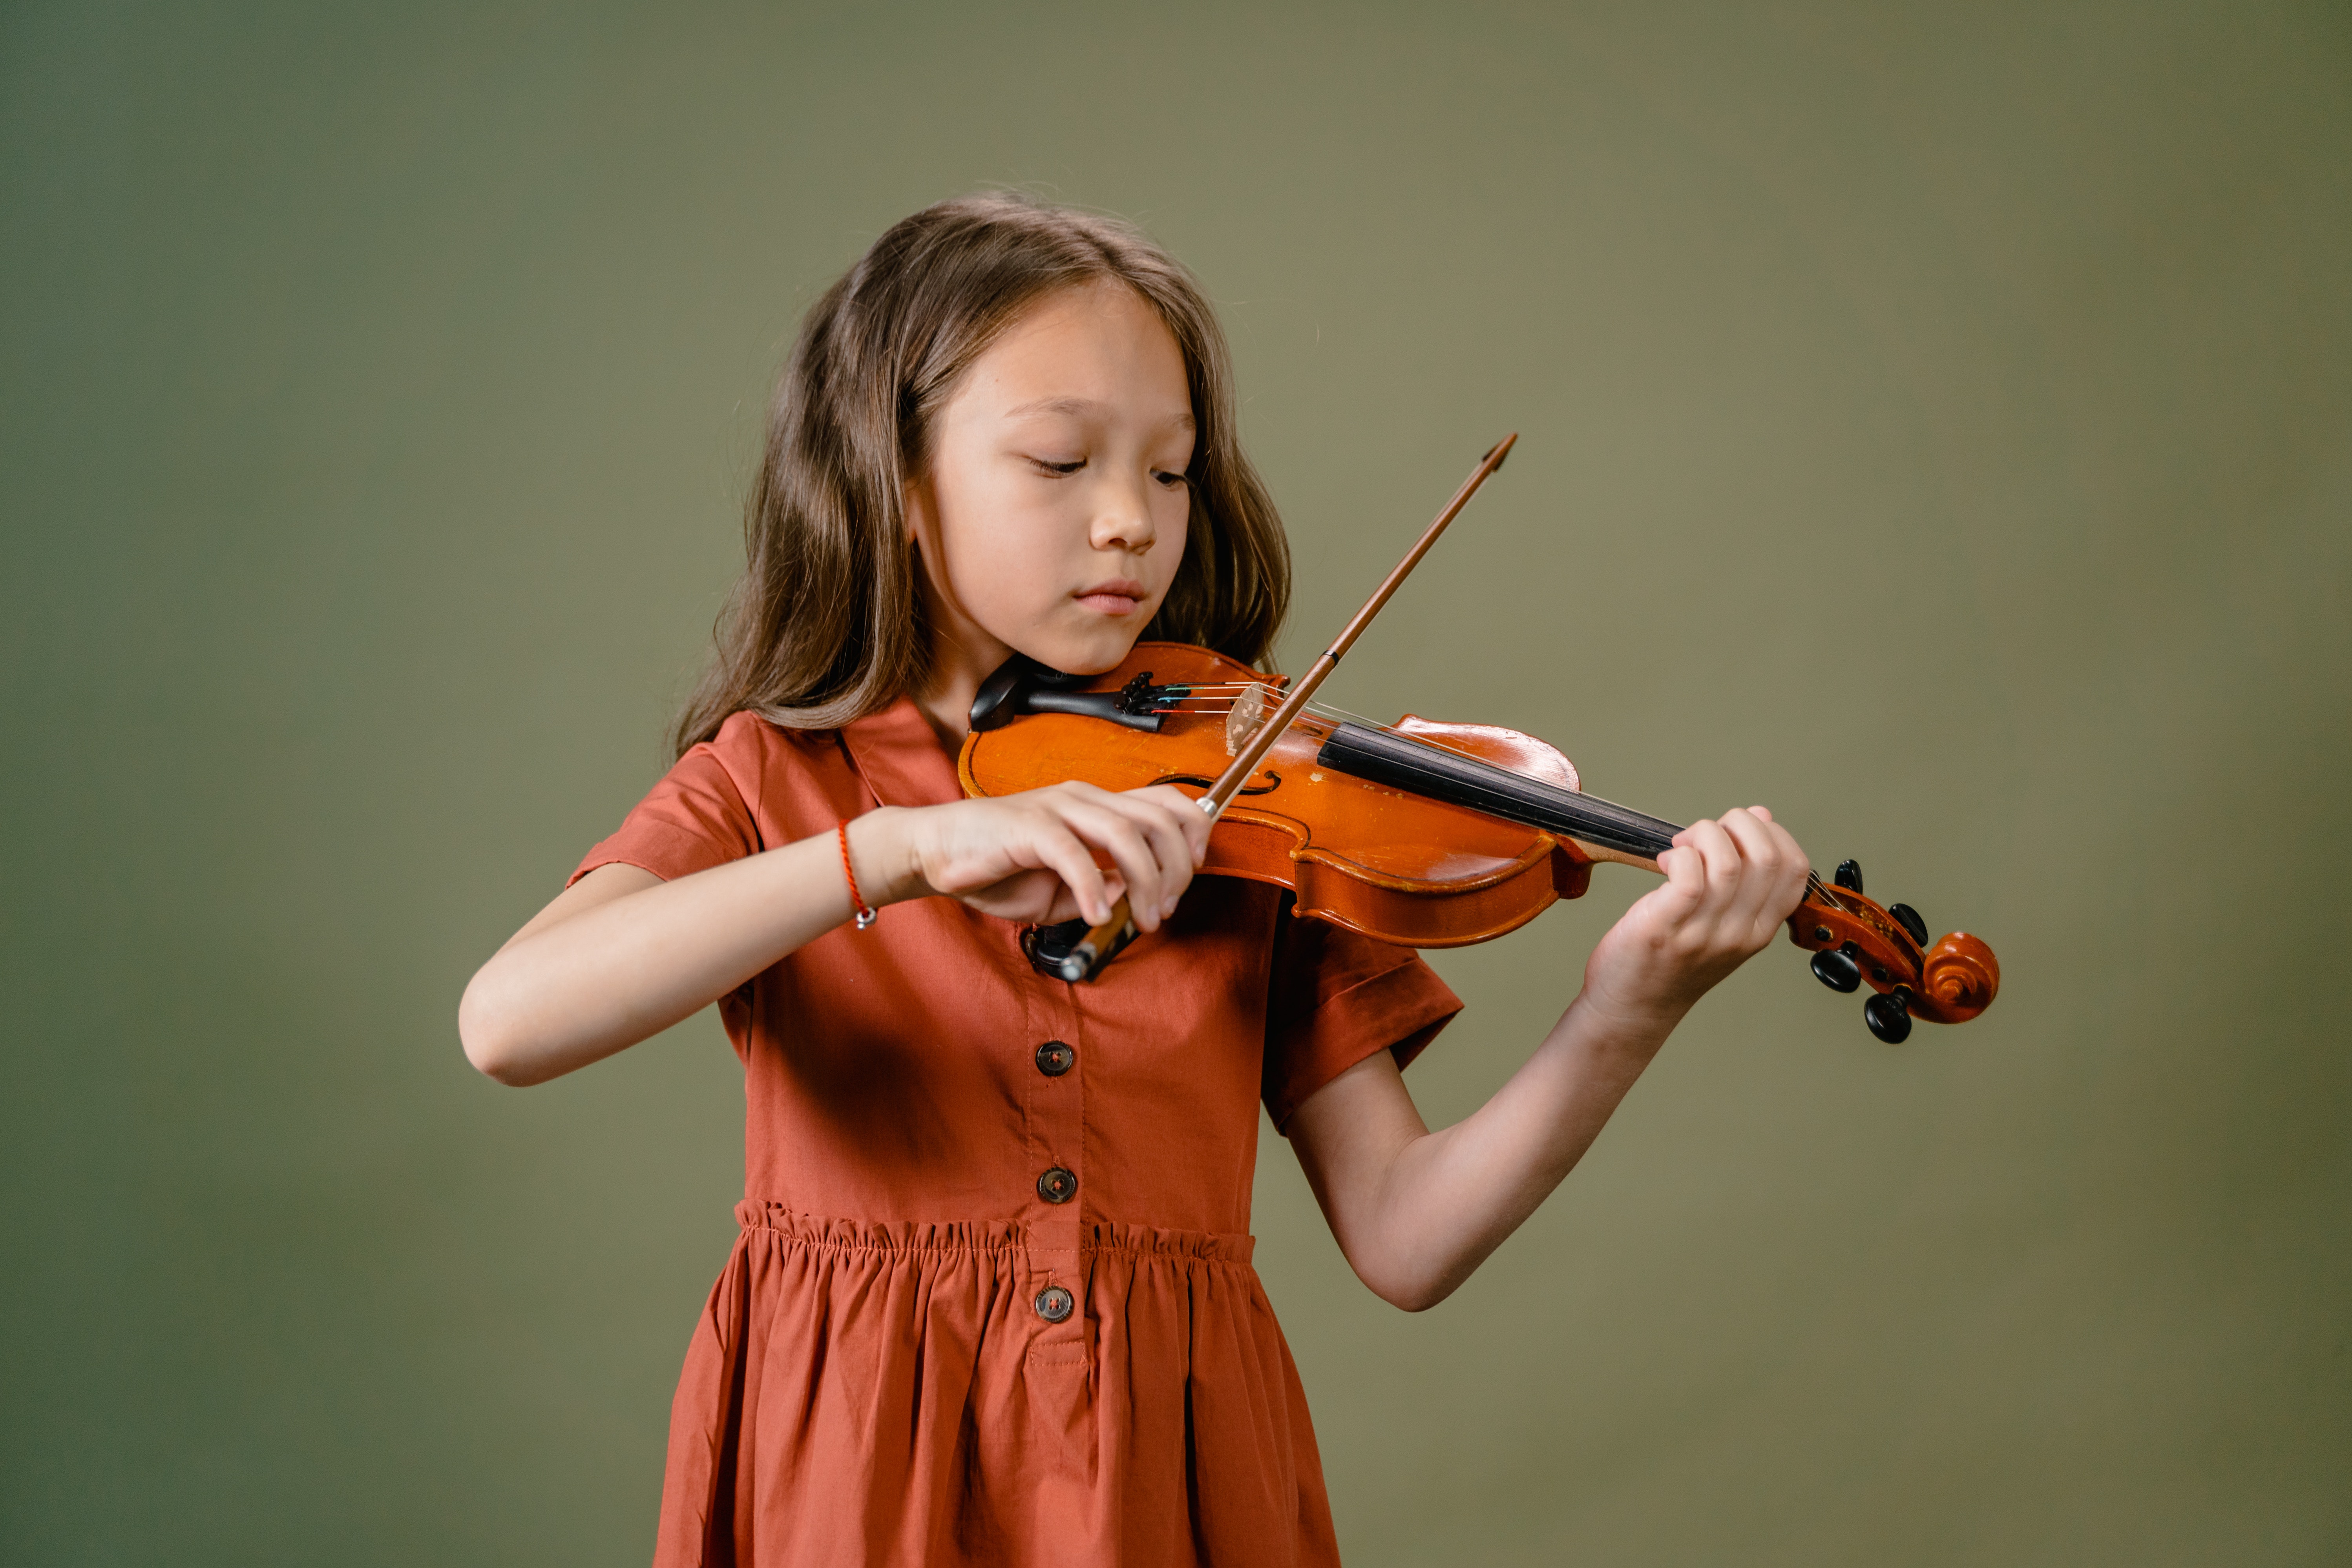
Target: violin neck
x: 1385, y: 757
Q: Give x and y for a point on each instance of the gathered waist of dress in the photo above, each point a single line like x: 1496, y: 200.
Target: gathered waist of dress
x: 983, y: 1236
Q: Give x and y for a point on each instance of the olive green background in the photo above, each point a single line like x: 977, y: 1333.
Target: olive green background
x: 1937, y: 422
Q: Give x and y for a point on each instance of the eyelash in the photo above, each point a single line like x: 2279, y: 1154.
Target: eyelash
x: 1166, y: 478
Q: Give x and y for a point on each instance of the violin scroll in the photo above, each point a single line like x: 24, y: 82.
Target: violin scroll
x: 1855, y: 939
x: 1958, y: 981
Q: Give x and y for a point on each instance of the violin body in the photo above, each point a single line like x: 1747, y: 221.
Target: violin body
x: 1396, y: 866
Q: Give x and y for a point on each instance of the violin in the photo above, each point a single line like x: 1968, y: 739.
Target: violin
x: 1419, y: 832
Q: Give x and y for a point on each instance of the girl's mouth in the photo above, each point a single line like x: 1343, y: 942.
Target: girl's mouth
x: 1115, y: 598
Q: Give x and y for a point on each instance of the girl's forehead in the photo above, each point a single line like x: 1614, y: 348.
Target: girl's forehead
x: 1080, y: 349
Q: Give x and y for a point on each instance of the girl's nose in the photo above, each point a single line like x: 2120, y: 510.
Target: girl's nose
x: 1123, y: 519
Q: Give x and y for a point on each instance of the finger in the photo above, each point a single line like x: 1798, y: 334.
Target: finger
x: 1170, y: 836
x: 1788, y: 866
x: 1111, y: 831
x: 1037, y: 896
x: 1187, y: 811
x: 1721, y: 856
x: 1050, y: 843
x: 1795, y: 868
x: 1176, y: 826
x: 1760, y: 859
x: 1760, y: 867
x: 1685, y: 872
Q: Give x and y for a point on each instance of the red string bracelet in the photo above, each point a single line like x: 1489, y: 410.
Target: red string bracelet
x: 866, y: 916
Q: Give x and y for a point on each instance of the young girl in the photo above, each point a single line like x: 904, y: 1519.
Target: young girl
x: 992, y: 1301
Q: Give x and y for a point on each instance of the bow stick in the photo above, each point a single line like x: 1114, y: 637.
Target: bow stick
x: 1103, y: 943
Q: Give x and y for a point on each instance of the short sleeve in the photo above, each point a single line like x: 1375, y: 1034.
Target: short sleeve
x: 1334, y: 998
x: 697, y: 817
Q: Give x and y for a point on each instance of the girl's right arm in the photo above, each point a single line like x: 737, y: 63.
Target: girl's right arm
x: 621, y: 956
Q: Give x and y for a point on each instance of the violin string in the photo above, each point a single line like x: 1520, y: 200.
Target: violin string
x: 1333, y: 710
x: 1321, y: 709
x: 1814, y: 883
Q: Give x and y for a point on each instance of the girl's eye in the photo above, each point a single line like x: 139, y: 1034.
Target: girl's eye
x: 1170, y: 481
x: 1054, y: 468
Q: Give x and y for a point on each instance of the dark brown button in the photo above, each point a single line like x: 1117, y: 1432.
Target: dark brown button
x: 1055, y: 1058
x: 1054, y: 1303
x: 1057, y: 1185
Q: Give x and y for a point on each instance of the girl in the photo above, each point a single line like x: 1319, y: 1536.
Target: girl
x: 993, y: 1302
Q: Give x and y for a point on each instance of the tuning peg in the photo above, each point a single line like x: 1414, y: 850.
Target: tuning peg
x: 1835, y: 968
x: 1888, y: 1016
x: 1911, y: 921
x: 1849, y: 875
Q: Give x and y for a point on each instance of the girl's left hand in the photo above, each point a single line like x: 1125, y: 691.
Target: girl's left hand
x: 1415, y: 1211
x: 1729, y: 885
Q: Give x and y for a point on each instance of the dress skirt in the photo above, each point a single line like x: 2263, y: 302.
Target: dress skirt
x: 861, y: 1393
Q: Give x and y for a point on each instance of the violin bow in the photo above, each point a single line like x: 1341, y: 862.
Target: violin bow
x: 1104, y: 942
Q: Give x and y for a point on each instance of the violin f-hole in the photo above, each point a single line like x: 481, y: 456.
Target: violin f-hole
x: 1200, y: 781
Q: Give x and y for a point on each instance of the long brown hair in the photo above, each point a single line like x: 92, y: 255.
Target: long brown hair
x: 826, y: 624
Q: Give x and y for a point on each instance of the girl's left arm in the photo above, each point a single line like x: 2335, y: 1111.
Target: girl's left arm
x: 1416, y: 1211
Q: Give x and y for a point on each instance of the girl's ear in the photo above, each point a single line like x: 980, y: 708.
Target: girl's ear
x: 915, y: 508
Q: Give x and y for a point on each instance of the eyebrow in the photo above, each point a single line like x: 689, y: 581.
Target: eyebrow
x: 1077, y: 406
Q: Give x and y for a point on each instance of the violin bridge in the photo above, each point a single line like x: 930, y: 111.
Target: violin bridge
x: 1245, y: 719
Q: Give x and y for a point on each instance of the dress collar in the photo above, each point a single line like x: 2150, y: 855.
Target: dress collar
x: 898, y: 756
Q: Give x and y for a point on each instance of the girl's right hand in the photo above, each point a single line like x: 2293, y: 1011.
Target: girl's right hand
x: 1031, y: 856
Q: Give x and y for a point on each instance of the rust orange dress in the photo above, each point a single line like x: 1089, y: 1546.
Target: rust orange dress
x: 991, y: 1302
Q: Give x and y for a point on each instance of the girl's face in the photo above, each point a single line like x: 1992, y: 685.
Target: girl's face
x: 1051, y: 518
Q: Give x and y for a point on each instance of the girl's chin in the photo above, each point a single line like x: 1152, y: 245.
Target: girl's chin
x: 1101, y: 648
